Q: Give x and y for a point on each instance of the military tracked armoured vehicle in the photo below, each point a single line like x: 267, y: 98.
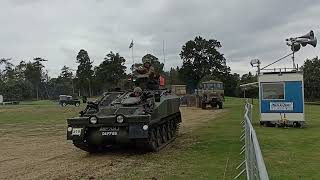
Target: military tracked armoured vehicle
x: 211, y: 93
x: 149, y: 118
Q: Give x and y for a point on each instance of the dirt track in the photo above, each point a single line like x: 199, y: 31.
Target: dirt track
x: 42, y: 152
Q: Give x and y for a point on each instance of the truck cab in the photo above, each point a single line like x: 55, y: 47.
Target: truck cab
x: 212, y: 93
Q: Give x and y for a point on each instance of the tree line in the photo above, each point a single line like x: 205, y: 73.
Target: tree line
x: 201, y: 61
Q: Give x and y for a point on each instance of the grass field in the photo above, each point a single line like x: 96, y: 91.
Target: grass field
x: 211, y: 151
x: 36, y: 112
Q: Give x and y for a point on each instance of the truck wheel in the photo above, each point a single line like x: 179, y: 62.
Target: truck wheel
x: 203, y: 105
x: 64, y: 104
x: 77, y: 104
x: 220, y: 105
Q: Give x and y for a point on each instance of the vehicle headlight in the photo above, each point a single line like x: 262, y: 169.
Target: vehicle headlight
x: 120, y: 119
x: 145, y: 127
x: 69, y: 129
x: 93, y: 120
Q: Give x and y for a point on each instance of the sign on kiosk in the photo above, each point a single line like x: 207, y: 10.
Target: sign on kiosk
x: 281, y: 106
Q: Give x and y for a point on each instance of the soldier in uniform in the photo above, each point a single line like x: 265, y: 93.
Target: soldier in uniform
x: 147, y: 68
x: 137, y: 92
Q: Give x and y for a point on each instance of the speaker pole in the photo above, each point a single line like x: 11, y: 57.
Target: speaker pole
x: 294, y: 65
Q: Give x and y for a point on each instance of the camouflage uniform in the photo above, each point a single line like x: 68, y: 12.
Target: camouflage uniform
x: 147, y: 68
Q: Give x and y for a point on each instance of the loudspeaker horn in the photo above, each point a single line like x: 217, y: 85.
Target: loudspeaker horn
x: 312, y: 42
x: 309, y: 35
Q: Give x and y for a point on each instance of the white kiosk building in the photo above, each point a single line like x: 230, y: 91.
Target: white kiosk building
x: 281, y: 90
x: 281, y: 98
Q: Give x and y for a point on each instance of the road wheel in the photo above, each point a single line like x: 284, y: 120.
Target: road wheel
x: 220, y: 105
x: 174, y: 128
x: 158, y: 137
x: 64, y: 104
x: 169, y: 132
x: 164, y: 134
x: 153, y: 146
x: 77, y: 104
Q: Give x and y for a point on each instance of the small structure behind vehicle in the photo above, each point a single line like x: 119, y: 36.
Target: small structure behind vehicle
x: 65, y: 100
x: 179, y: 90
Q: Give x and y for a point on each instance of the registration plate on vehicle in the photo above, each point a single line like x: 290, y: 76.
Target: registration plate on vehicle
x: 76, y: 131
x: 109, y: 131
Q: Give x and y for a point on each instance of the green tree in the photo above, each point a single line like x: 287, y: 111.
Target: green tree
x: 8, y: 71
x: 231, y: 84
x: 173, y: 77
x: 311, y: 71
x: 20, y: 70
x: 249, y: 78
x: 13, y: 84
x: 84, y: 71
x: 66, y: 79
x: 34, y: 73
x: 111, y: 71
x: 201, y: 58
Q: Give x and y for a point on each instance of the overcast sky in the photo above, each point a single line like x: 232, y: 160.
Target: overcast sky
x: 57, y: 30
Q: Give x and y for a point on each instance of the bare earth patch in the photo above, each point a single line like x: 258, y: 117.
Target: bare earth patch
x: 42, y: 151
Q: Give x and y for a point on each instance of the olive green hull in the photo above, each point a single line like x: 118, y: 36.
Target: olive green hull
x: 164, y: 119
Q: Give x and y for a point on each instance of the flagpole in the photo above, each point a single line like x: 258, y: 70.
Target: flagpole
x: 164, y: 57
x: 131, y: 47
x: 132, y: 55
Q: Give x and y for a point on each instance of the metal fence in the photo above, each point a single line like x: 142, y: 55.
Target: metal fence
x: 189, y: 100
x: 254, y: 164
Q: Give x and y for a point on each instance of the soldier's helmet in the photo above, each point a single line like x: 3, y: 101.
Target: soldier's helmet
x: 137, y: 90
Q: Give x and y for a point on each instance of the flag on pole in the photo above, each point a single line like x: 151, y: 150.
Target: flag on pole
x: 131, y: 44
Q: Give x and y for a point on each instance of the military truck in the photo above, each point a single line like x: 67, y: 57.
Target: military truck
x: 211, y: 93
x: 148, y: 119
x: 65, y: 100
